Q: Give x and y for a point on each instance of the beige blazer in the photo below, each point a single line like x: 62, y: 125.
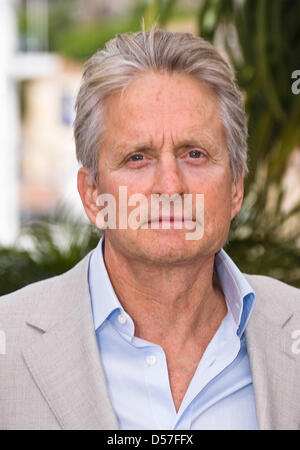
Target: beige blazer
x: 51, y: 375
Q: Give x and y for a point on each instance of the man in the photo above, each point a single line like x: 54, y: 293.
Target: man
x: 153, y: 329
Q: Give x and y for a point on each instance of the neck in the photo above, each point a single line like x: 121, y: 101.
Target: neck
x: 167, y: 302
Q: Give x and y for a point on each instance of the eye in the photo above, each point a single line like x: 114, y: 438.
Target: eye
x: 136, y: 157
x: 195, y: 154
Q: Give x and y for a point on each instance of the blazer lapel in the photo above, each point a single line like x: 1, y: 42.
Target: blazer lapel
x: 274, y: 366
x: 65, y: 363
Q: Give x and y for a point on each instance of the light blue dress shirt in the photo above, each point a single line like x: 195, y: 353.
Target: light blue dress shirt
x: 220, y: 394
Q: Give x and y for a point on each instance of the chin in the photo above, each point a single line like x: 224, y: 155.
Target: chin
x: 166, y: 247
x: 163, y: 246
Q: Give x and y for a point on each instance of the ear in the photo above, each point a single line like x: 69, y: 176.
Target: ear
x: 237, y: 194
x: 88, y: 193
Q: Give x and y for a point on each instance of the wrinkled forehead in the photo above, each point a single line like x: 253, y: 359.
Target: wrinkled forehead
x: 161, y: 108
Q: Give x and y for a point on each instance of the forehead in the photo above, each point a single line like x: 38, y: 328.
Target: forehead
x: 162, y: 104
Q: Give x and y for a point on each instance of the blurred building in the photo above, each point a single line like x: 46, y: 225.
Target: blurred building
x: 34, y: 172
x: 48, y: 166
x: 15, y: 67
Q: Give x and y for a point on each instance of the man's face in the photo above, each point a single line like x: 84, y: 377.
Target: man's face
x: 164, y: 135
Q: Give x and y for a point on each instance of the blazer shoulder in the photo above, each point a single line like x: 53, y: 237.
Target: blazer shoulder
x: 272, y: 291
x: 271, y: 283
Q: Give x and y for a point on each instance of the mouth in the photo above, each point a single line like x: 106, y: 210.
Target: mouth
x: 183, y: 221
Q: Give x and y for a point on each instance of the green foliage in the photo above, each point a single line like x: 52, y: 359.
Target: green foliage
x: 158, y: 11
x: 72, y: 37
x: 77, y: 40
x: 81, y: 42
x: 54, y: 245
x: 260, y: 243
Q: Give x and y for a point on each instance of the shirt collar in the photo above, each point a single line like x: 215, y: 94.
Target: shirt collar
x: 101, y: 287
x: 239, y: 295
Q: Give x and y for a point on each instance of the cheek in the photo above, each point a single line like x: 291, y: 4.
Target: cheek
x: 136, y: 182
x: 114, y: 184
x: 217, y: 203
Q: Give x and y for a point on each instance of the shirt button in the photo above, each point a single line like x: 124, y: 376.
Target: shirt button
x: 151, y: 360
x: 121, y: 318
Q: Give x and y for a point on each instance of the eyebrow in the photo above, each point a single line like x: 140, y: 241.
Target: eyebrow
x: 149, y: 146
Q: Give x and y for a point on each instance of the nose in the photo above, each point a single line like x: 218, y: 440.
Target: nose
x: 168, y: 177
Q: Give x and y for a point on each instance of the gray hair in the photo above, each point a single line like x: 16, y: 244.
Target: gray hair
x: 130, y: 54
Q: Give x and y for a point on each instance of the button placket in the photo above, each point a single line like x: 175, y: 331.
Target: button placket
x: 157, y: 383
